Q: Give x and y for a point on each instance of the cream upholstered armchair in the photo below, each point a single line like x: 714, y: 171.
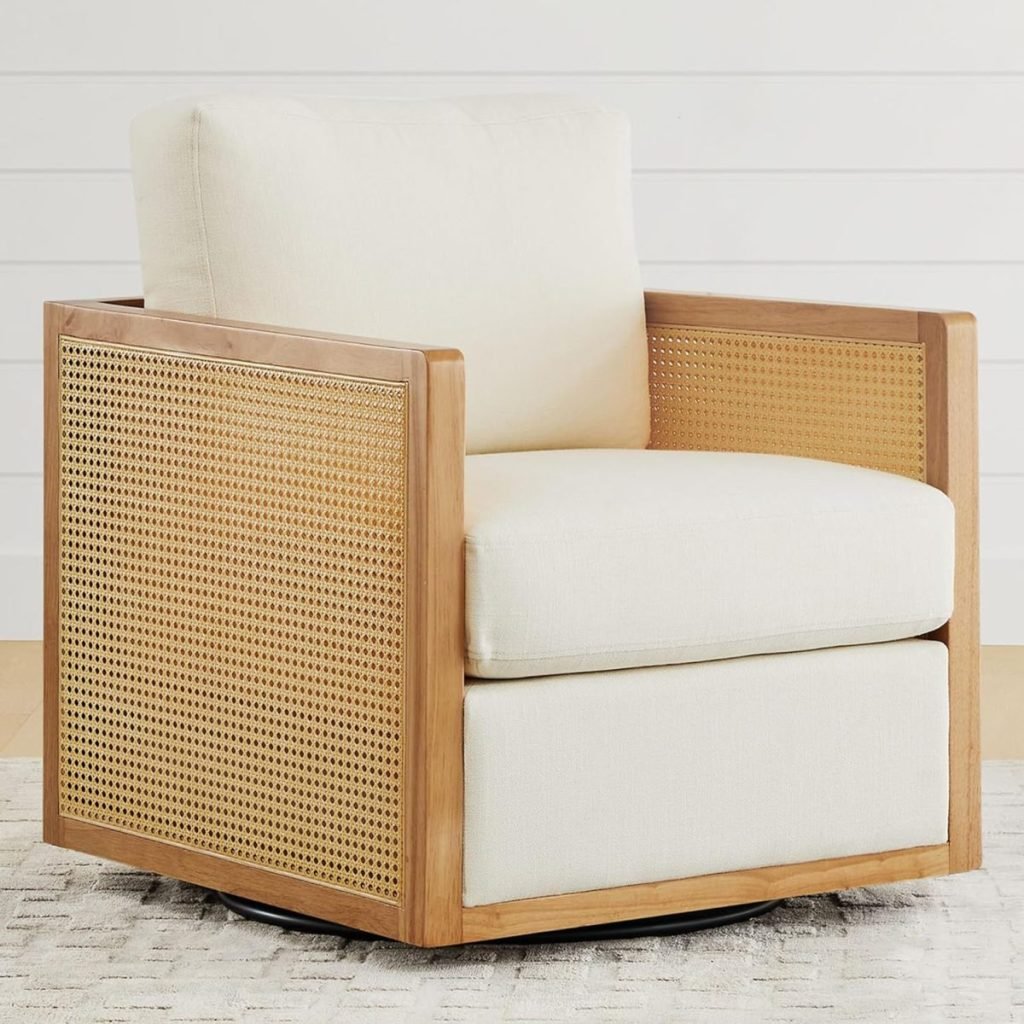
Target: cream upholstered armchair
x: 692, y: 625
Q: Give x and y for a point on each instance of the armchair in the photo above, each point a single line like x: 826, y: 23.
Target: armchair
x: 269, y: 562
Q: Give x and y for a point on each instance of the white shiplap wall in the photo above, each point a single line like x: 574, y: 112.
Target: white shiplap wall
x: 867, y: 152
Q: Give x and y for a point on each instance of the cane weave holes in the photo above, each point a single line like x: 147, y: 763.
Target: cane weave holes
x: 232, y: 609
x: 858, y: 402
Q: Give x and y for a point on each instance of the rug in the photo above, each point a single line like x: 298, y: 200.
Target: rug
x: 85, y: 941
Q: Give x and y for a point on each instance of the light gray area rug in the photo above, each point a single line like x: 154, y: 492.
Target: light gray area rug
x: 82, y: 940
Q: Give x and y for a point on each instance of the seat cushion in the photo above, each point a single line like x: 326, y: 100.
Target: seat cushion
x: 590, y: 560
x: 615, y: 778
x: 501, y: 226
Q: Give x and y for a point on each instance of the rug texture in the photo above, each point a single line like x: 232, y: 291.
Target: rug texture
x: 83, y: 940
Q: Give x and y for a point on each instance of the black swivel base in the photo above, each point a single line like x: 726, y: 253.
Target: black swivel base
x: 669, y: 924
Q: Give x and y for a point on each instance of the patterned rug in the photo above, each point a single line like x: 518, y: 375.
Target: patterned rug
x: 86, y: 941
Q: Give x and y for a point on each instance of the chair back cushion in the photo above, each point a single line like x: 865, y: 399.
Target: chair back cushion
x: 498, y: 225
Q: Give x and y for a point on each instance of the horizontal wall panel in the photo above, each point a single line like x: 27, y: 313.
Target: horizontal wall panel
x: 535, y: 35
x: 704, y: 217
x: 805, y: 217
x: 1001, y: 418
x: 1002, y: 583
x: 687, y: 122
x: 67, y: 217
x: 21, y: 419
x: 24, y: 289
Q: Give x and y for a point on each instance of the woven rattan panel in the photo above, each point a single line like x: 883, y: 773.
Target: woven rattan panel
x: 232, y: 609
x: 858, y: 402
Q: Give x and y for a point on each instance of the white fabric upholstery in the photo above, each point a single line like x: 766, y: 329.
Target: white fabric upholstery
x: 591, y: 560
x: 501, y: 226
x: 613, y: 778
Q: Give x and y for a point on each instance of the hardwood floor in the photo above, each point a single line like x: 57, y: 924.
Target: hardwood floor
x: 1002, y: 703
x: 21, y: 700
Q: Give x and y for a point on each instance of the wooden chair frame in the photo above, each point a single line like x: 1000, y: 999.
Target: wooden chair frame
x: 428, y: 910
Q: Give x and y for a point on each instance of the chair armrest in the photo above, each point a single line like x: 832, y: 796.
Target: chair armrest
x: 890, y: 389
x: 846, y: 383
x: 253, y: 626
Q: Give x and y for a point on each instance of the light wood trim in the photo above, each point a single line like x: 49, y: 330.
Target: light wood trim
x: 572, y: 910
x: 952, y: 418
x: 248, y: 342
x: 430, y: 913
x: 433, y: 916
x: 782, y: 317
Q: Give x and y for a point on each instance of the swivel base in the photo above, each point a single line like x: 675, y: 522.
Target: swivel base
x: 668, y: 924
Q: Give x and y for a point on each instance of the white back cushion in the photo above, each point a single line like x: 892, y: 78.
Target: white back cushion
x: 500, y: 225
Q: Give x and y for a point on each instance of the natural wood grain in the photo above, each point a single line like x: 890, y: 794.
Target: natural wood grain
x: 124, y: 322
x: 434, y: 794
x: 952, y: 417
x: 547, y: 913
x: 782, y: 317
x: 429, y: 911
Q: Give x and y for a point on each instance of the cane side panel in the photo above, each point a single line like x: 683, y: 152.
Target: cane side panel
x: 233, y: 608
x: 858, y: 402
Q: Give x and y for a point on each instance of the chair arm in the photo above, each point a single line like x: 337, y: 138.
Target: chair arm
x: 847, y: 383
x: 890, y: 389
x: 253, y: 622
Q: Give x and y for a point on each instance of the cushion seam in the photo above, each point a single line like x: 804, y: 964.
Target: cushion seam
x: 687, y: 523
x: 663, y: 645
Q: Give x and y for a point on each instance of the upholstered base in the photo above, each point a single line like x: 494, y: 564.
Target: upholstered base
x: 668, y: 924
x: 611, y: 779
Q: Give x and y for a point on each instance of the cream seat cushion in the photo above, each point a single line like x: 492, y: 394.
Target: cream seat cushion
x: 501, y: 226
x: 578, y: 561
x: 615, y: 778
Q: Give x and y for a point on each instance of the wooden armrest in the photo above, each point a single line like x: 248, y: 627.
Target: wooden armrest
x: 848, y: 383
x: 890, y: 389
x: 253, y: 547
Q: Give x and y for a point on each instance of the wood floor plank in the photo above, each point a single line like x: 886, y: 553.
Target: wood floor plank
x: 27, y: 741
x: 1002, y: 703
x: 21, y: 676
x: 9, y: 726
